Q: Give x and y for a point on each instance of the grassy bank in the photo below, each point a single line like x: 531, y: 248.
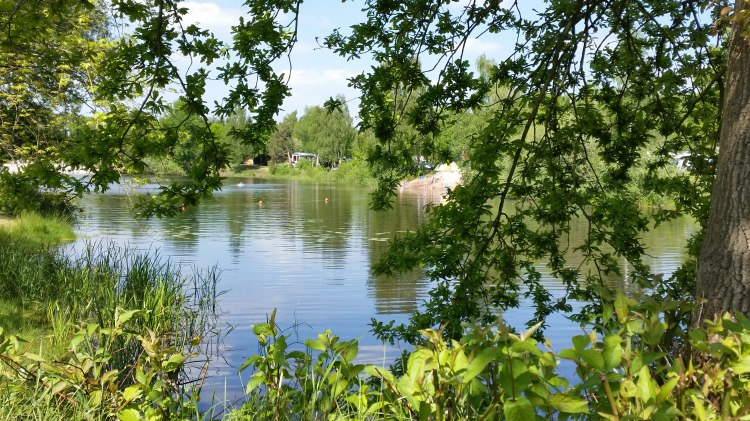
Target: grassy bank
x: 108, y: 317
x: 38, y: 229
x: 352, y: 172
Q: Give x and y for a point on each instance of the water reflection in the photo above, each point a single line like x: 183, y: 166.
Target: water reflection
x: 306, y: 256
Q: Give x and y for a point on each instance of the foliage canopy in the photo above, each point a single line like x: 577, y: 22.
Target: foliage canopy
x: 587, y: 89
x: 581, y: 115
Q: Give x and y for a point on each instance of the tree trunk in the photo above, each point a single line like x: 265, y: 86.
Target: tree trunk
x: 723, y: 271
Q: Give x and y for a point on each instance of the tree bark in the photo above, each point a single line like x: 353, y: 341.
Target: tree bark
x: 723, y: 270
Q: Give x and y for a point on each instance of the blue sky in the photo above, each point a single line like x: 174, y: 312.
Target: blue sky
x: 316, y: 73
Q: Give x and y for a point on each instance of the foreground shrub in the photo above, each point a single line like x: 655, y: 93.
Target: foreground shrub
x: 622, y: 372
x: 89, y: 383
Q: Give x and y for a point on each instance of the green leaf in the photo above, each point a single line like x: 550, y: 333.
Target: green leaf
x: 569, y: 404
x: 698, y: 410
x: 132, y: 393
x: 419, y: 361
x: 526, y: 346
x: 95, y: 398
x: 621, y: 307
x: 315, y: 344
x: 129, y: 415
x: 350, y: 351
x: 666, y: 390
x: 569, y: 354
x: 262, y: 329
x: 580, y: 342
x: 174, y: 362
x: 253, y: 383
x: 519, y: 410
x: 526, y: 335
x: 251, y: 360
x: 125, y: 316
x: 607, y: 312
x: 646, y: 386
x: 742, y: 365
x: 59, y: 387
x: 593, y: 358
x: 653, y: 332
x: 612, y: 352
x: 34, y: 357
x: 628, y: 389
x: 477, y: 365
x: 380, y: 372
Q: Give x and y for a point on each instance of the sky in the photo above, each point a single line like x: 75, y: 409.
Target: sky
x: 316, y: 74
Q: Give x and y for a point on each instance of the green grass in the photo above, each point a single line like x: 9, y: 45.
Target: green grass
x: 44, y: 288
x: 26, y: 322
x: 37, y: 229
x: 242, y: 170
x: 48, y: 297
x: 353, y: 172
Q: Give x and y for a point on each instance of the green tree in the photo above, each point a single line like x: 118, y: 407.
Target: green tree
x: 48, y: 43
x: 239, y: 149
x: 328, y: 133
x: 587, y: 88
x: 282, y: 143
x: 182, y: 133
x: 48, y: 54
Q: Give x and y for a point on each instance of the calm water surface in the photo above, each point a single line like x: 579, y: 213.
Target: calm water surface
x: 306, y: 257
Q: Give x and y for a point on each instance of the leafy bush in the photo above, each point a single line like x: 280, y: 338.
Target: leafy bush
x: 354, y: 172
x: 88, y: 383
x: 351, y: 172
x: 623, y: 372
x: 283, y: 170
x: 163, y: 165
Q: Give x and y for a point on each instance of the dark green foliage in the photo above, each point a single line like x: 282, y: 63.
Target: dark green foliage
x: 573, y: 127
x: 282, y: 143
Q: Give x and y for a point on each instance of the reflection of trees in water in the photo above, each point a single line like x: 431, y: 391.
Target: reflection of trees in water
x: 399, y: 294
x: 323, y: 226
x: 664, y: 245
x: 236, y: 206
x: 182, y: 231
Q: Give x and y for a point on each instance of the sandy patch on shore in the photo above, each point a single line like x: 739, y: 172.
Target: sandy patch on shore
x: 444, y: 177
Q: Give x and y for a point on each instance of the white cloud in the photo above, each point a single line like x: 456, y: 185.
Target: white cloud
x: 213, y: 17
x: 319, y: 77
x: 476, y: 46
x: 311, y: 87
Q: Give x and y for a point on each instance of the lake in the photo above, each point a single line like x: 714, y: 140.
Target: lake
x: 306, y: 250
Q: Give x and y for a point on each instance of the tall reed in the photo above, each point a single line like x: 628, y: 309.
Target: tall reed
x: 88, y: 287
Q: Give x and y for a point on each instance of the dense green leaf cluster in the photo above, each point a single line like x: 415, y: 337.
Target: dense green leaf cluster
x: 625, y: 368
x: 120, y: 82
x: 580, y: 120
